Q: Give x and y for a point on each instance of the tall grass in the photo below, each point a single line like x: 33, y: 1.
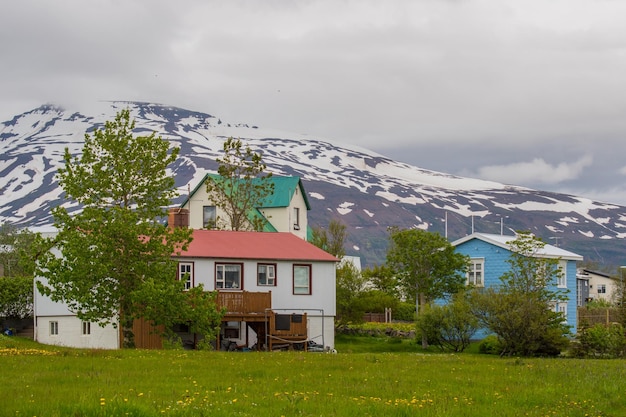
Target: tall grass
x: 42, y: 381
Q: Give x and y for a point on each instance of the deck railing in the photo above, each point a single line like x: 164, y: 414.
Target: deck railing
x: 244, y: 302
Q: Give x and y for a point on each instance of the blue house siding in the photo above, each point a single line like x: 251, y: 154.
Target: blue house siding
x: 572, y: 309
x: 495, y: 257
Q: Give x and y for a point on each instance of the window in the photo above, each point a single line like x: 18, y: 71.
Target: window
x: 185, y: 273
x: 228, y: 276
x: 86, y: 328
x: 602, y: 289
x: 302, y: 279
x: 562, y: 308
x: 475, y: 273
x: 232, y: 330
x: 209, y: 217
x: 296, y: 218
x: 561, y: 278
x: 266, y: 274
x: 54, y: 328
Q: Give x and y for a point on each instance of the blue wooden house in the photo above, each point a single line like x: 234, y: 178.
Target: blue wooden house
x: 488, y: 261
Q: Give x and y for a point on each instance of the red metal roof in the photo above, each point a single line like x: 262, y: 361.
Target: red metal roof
x: 225, y: 244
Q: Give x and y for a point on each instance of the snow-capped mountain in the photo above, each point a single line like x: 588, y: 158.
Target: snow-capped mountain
x: 366, y: 191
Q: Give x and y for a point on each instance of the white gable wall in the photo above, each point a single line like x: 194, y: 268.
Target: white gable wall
x: 195, y: 206
x: 283, y: 218
x: 597, y: 282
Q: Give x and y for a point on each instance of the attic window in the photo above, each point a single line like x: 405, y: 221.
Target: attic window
x: 296, y: 218
x: 209, y: 217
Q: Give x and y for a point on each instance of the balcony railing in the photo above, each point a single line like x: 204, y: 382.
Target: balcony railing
x: 244, y: 302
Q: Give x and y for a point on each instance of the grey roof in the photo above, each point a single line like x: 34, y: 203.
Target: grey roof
x: 548, y: 251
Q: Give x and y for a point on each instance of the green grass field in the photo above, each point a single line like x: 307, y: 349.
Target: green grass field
x: 368, y: 377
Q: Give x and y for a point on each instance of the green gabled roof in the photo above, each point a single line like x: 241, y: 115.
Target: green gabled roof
x: 267, y: 226
x: 284, y: 189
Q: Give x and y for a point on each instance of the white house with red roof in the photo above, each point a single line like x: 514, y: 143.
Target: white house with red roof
x: 295, y: 278
x: 278, y: 289
x: 265, y: 280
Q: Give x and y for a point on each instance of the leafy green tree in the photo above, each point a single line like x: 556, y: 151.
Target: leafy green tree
x: 350, y: 284
x: 332, y: 239
x: 426, y: 265
x: 16, y: 272
x: 16, y: 297
x: 113, y: 260
x: 240, y: 187
x: 15, y: 259
x: 382, y: 278
x: 521, y: 310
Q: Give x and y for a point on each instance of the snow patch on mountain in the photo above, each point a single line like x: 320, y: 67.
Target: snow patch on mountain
x: 345, y: 208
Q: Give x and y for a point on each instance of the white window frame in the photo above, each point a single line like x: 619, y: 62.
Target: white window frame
x: 85, y: 328
x: 222, y: 270
x: 270, y: 274
x: 561, y: 308
x: 601, y: 288
x: 561, y: 277
x: 53, y: 328
x: 476, y: 266
x: 301, y: 283
x: 186, y: 268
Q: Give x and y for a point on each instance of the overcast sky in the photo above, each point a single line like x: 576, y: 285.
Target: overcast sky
x: 525, y: 92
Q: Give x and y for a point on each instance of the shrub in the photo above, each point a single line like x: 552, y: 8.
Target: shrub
x: 404, y: 312
x: 601, y: 341
x: 490, y: 345
x: 449, y: 327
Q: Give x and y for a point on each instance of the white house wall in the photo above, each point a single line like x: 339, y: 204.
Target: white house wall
x: 322, y: 295
x: 70, y: 333
x: 69, y: 326
x: 596, y: 281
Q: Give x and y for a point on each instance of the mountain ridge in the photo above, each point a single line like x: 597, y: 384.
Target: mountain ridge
x: 365, y: 190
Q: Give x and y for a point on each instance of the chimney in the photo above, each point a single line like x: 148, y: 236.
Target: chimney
x: 178, y: 217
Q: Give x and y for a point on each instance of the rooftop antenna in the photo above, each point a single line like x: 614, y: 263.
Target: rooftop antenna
x: 556, y: 240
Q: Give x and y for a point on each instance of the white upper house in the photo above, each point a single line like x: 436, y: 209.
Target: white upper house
x: 283, y: 211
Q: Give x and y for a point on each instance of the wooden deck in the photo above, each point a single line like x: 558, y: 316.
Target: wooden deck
x: 244, y: 305
x: 283, y: 330
x: 287, y: 330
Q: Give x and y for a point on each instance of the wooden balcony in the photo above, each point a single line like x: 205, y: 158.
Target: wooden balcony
x: 244, y: 304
